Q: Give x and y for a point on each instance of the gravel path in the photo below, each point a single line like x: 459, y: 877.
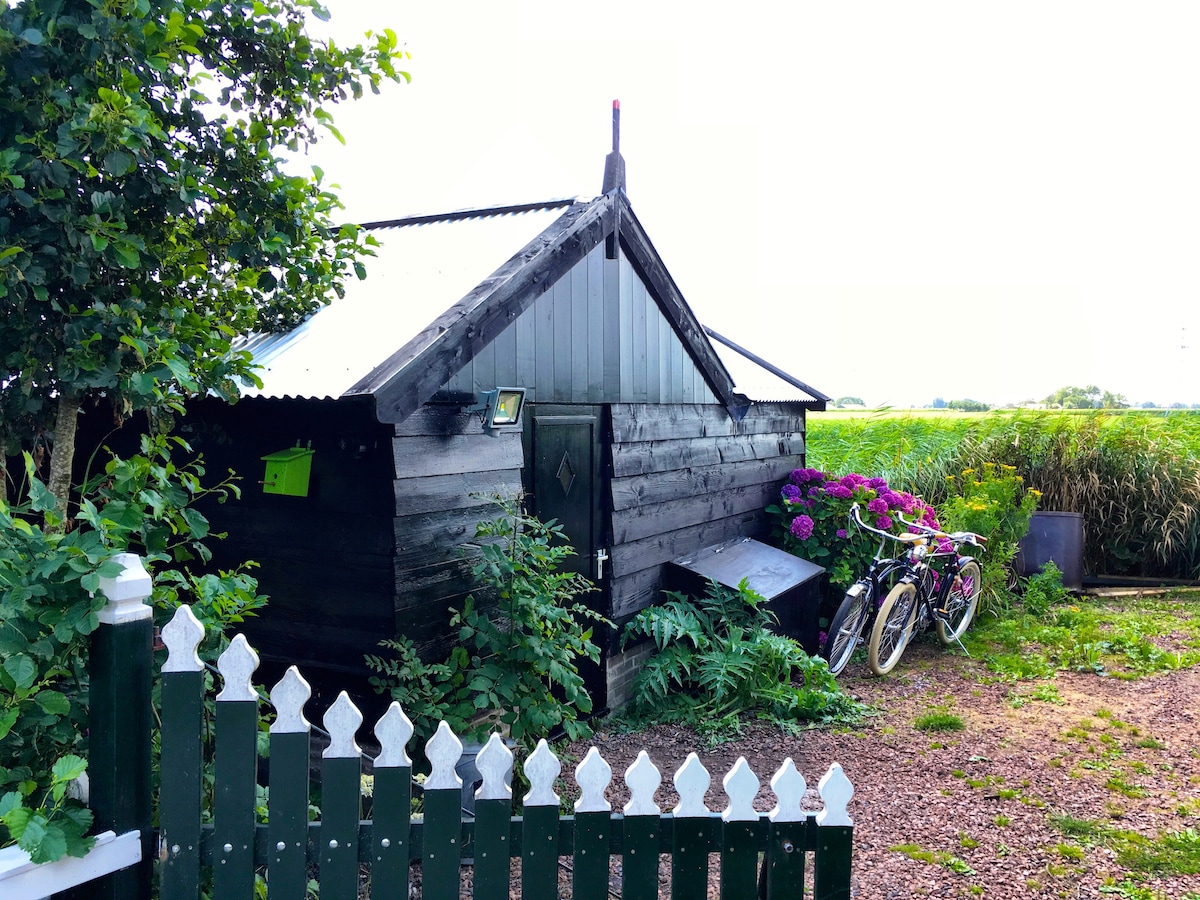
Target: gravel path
x: 972, y: 813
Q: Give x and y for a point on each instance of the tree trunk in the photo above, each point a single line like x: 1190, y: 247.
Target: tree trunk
x: 64, y: 450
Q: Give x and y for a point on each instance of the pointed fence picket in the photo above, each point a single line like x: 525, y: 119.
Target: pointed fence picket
x: 759, y: 854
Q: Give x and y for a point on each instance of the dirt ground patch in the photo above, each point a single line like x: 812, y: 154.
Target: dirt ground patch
x: 986, y: 811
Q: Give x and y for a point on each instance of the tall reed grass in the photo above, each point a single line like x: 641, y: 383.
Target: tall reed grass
x: 1133, y: 475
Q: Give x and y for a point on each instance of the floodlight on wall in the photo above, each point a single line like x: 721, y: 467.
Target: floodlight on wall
x: 500, y: 409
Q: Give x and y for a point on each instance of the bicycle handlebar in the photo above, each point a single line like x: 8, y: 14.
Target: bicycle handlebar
x: 955, y: 537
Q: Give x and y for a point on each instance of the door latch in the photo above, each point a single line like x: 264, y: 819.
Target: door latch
x: 601, y: 559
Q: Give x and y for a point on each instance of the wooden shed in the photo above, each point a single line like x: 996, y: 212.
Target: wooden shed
x: 635, y: 435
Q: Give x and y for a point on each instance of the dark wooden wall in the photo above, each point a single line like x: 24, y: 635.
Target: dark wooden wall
x: 446, y: 468
x: 686, y: 477
x: 325, y: 559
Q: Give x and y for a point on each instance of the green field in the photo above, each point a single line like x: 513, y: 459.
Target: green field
x: 1133, y: 474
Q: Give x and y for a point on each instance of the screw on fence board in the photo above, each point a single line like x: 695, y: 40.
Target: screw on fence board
x: 643, y: 779
x: 789, y: 787
x: 288, y: 697
x: 691, y: 783
x: 541, y: 768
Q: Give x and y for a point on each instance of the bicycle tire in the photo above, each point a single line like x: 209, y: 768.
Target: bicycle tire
x: 893, y: 628
x: 961, y: 603
x: 846, y: 627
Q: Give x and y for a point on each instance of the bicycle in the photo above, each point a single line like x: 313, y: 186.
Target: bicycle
x: 861, y: 603
x: 947, y: 596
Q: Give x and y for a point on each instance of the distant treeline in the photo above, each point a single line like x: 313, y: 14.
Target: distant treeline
x: 1134, y: 475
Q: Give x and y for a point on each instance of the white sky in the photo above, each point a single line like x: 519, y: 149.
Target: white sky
x: 893, y: 200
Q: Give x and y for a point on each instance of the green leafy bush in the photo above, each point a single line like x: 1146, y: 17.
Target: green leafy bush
x: 49, y: 597
x: 994, y: 502
x: 716, y: 659
x: 517, y: 657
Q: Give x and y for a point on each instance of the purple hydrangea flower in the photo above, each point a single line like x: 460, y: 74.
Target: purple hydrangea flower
x: 840, y: 491
x: 802, y: 528
x: 892, y: 499
x: 842, y: 533
x: 884, y: 522
x: 790, y: 493
x: 853, y: 480
x: 878, y: 506
x: 804, y: 476
x: 877, y: 484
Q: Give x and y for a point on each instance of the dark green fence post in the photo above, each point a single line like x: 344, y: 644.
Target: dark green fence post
x: 442, y: 839
x: 180, y: 788
x: 493, y: 816
x: 539, y: 826
x: 119, y: 722
x: 236, y: 773
x: 692, y: 830
x: 593, y: 822
x: 640, y: 831
x: 287, y: 803
x: 739, y: 825
x: 391, y: 806
x: 787, y: 836
x: 341, y: 801
x: 835, y: 841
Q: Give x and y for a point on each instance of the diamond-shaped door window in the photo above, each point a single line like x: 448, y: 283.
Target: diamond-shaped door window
x: 566, y: 474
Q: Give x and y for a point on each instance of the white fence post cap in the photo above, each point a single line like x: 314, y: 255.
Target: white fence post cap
x: 126, y: 591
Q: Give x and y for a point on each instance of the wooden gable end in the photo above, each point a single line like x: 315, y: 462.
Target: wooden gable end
x: 596, y: 336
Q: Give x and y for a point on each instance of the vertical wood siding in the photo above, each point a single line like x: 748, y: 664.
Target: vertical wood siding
x: 687, y: 476
x: 596, y: 336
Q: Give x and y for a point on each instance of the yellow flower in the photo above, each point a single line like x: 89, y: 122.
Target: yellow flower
x: 968, y: 471
x: 1007, y: 468
x: 1035, y: 492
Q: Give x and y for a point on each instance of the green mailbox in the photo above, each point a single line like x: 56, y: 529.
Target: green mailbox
x: 288, y: 471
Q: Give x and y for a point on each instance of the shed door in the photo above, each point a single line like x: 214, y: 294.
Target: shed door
x: 566, y: 454
x: 566, y: 478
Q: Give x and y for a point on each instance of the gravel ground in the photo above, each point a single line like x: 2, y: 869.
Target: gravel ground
x: 970, y: 813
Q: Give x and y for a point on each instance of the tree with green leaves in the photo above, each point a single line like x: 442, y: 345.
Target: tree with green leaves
x: 147, y: 219
x: 146, y: 214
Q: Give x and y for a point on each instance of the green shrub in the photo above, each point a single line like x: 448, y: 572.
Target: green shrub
x: 716, y: 659
x: 516, y: 658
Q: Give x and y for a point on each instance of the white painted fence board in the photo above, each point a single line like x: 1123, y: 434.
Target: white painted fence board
x: 21, y: 879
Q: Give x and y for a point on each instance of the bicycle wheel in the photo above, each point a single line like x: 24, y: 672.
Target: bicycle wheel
x: 961, y: 603
x: 893, y: 627
x: 846, y: 626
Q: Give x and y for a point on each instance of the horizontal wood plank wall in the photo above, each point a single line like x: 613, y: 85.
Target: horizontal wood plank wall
x: 446, y: 469
x: 687, y: 476
x: 595, y: 336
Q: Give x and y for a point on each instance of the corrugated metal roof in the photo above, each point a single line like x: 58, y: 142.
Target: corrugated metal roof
x: 424, y: 266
